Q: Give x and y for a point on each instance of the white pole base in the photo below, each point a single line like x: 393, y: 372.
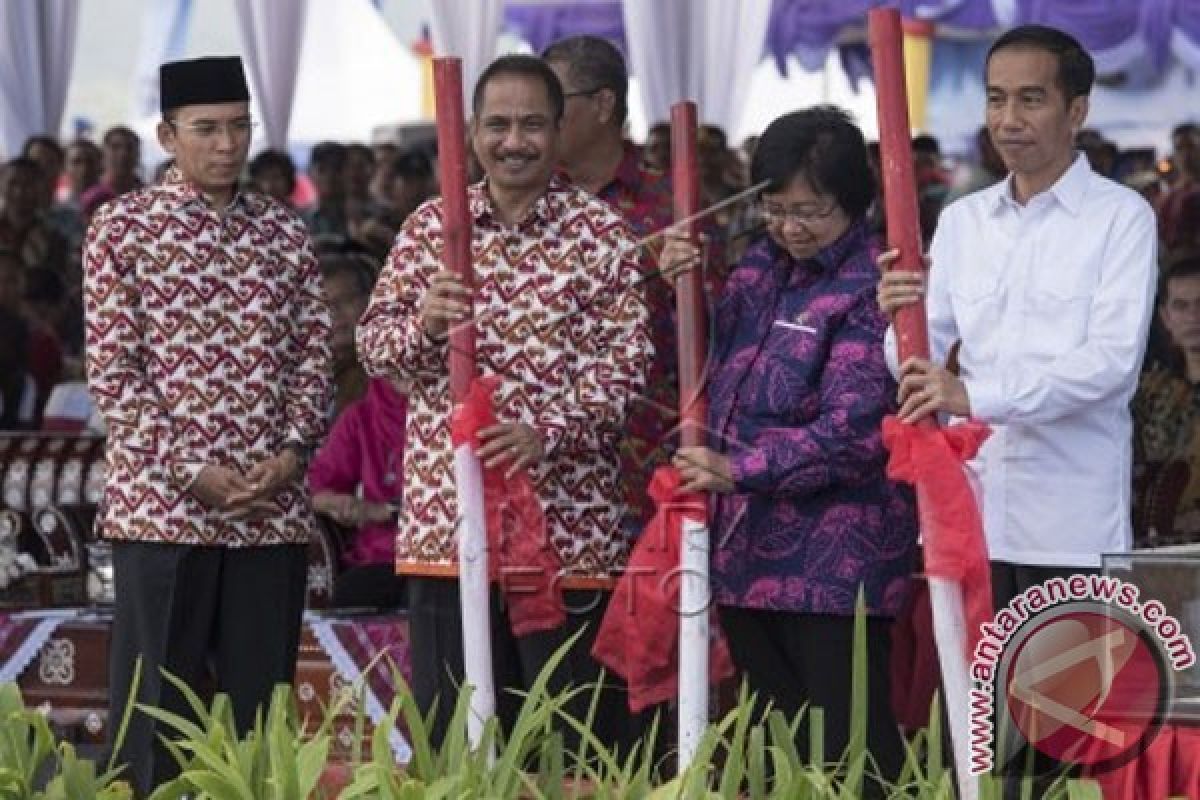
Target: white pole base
x: 474, y: 592
x: 950, y: 633
x: 695, y: 597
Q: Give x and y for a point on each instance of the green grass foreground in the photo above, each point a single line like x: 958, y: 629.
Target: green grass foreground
x: 284, y: 758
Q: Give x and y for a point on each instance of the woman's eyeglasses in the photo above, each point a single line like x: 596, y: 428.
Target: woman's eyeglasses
x: 777, y: 215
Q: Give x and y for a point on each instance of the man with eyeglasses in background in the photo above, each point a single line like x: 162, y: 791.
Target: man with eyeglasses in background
x: 207, y: 355
x: 593, y: 152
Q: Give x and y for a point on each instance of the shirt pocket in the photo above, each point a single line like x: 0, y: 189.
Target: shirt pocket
x: 1055, y: 320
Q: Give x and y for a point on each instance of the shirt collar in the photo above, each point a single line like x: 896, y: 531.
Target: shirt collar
x: 830, y: 258
x: 628, y: 178
x: 629, y: 175
x: 1068, y: 191
x: 547, y: 208
x: 181, y: 193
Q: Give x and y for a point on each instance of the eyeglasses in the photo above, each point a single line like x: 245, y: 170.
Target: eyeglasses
x: 207, y: 129
x: 777, y: 215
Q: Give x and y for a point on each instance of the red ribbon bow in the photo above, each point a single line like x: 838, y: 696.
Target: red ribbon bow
x: 521, y: 557
x: 931, y: 458
x: 639, y: 636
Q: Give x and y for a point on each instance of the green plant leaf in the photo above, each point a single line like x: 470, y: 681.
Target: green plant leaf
x: 1085, y: 790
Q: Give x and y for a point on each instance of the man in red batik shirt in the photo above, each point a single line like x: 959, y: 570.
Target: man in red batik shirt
x: 208, y: 356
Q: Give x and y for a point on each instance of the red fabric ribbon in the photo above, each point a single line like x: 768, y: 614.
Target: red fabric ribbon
x: 639, y: 636
x: 931, y: 458
x: 521, y: 557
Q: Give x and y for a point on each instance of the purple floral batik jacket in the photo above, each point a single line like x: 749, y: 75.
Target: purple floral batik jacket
x: 798, y: 391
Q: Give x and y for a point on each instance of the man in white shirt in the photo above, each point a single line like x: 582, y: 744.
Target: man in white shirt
x: 1046, y: 282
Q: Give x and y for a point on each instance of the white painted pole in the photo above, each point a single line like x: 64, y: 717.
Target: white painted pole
x: 950, y: 633
x: 473, y: 592
x: 694, y: 600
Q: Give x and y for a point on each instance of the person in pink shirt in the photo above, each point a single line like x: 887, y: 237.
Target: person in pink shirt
x: 356, y: 479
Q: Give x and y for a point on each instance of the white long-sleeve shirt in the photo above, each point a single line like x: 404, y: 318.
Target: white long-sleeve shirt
x: 1052, y: 303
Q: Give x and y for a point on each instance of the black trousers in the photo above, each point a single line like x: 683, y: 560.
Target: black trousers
x: 435, y: 631
x: 369, y: 586
x: 1016, y: 758
x: 1010, y: 580
x: 791, y: 660
x: 186, y: 609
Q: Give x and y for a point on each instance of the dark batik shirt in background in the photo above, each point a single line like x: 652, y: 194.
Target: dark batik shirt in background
x: 643, y: 197
x: 798, y: 393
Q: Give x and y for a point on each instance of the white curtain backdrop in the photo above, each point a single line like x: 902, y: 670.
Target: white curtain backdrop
x: 164, y: 35
x: 658, y: 60
x: 467, y: 29
x: 272, y: 34
x: 700, y: 50
x: 37, y: 49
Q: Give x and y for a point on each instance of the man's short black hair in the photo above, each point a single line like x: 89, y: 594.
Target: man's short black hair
x: 1182, y: 265
x: 20, y: 163
x: 327, y: 154
x: 46, y: 141
x: 1076, y: 70
x: 824, y: 146
x: 413, y: 165
x: 362, y: 150
x: 523, y: 66
x: 594, y: 64
x: 1185, y: 129
x: 273, y: 159
x: 926, y: 143
x: 357, y: 266
x: 121, y: 130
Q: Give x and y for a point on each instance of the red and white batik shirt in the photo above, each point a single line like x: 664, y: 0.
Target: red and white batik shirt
x: 207, y: 343
x: 562, y: 320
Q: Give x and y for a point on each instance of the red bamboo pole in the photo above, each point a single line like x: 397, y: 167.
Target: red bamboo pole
x: 468, y: 475
x: 947, y: 592
x: 692, y: 336
x: 896, y: 169
x: 690, y: 328
x: 456, y: 224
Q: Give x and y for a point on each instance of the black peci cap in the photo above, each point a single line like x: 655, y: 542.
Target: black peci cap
x: 200, y: 81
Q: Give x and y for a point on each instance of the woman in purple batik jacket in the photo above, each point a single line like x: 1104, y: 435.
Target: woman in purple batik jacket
x: 804, y: 516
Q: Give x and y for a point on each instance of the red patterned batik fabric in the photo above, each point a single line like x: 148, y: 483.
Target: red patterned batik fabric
x: 561, y: 320
x: 207, y: 343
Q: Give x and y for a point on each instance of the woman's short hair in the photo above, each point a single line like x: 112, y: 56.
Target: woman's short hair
x: 823, y: 146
